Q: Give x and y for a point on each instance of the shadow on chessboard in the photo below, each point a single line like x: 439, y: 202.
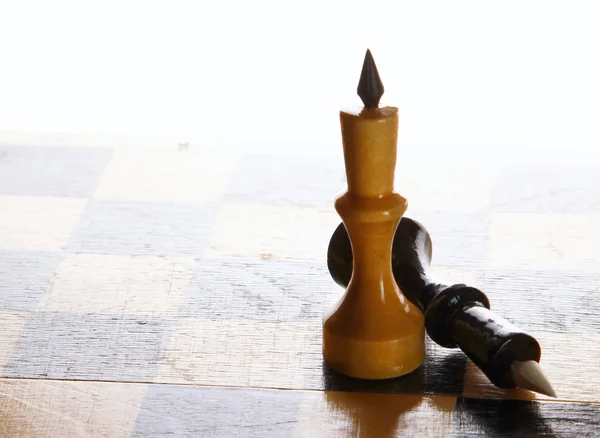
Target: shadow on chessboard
x: 523, y: 418
x: 370, y: 404
x: 441, y: 377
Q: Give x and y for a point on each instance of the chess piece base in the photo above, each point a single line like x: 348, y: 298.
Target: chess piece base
x: 373, y: 359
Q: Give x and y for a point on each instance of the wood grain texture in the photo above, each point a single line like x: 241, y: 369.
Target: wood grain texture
x: 559, y: 349
x: 285, y: 180
x: 520, y: 418
x: 58, y: 172
x: 267, y: 354
x: 259, y: 290
x: 545, y: 300
x: 118, y: 284
x: 255, y: 231
x: 26, y: 275
x: 174, y: 281
x: 49, y: 409
x: 89, y: 346
x: 442, y: 373
x: 38, y: 223
x: 366, y: 415
x: 12, y: 324
x: 168, y: 175
x: 143, y: 228
x: 179, y: 411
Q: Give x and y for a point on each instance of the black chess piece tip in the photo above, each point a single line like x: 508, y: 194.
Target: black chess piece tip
x: 370, y: 88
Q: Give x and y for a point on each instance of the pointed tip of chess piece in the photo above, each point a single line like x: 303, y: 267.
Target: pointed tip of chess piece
x: 370, y: 88
x: 529, y: 375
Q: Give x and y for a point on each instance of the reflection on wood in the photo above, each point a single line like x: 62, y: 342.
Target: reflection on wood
x: 364, y: 415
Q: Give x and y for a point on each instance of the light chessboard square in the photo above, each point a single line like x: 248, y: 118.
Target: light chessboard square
x: 272, y: 232
x: 544, y: 241
x: 119, y: 284
x: 136, y: 174
x: 458, y: 191
x: 31, y: 223
x: 234, y: 352
x: 45, y: 409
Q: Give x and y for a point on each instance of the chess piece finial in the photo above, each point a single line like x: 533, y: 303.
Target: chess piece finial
x: 370, y: 88
x: 529, y: 375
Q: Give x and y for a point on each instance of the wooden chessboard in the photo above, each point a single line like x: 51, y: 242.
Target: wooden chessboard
x: 178, y: 290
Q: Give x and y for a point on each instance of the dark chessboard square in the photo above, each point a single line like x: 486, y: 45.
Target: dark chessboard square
x: 217, y: 412
x: 545, y: 300
x: 51, y: 171
x: 24, y: 277
x: 58, y: 345
x: 301, y: 181
x: 459, y: 239
x: 524, y: 418
x: 547, y: 191
x: 271, y: 290
x: 143, y: 228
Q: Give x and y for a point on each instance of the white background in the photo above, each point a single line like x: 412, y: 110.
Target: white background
x: 466, y: 75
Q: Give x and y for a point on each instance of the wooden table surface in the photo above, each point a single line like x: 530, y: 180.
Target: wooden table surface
x: 178, y: 290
